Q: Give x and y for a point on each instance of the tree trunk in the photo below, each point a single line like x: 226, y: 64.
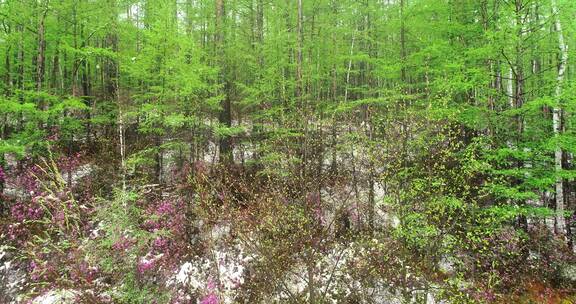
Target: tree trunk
x: 225, y: 116
x: 7, y: 76
x: 348, y: 70
x: 300, y: 38
x: 557, y: 121
x: 402, y: 43
x: 519, y: 88
x: 40, y: 61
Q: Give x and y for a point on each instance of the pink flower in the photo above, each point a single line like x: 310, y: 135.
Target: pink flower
x: 160, y: 244
x: 145, y: 266
x: 211, y: 285
x: 16, y: 231
x: 211, y: 298
x: 2, y: 175
x: 122, y: 244
x: 165, y: 207
x: 21, y: 212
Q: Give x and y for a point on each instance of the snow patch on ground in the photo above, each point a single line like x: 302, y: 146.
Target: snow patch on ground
x: 63, y: 296
x: 81, y: 172
x: 223, y: 267
x: 12, y: 278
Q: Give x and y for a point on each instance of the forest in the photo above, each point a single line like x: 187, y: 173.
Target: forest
x: 287, y: 151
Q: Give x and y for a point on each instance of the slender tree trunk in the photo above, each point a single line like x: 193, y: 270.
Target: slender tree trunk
x: 403, y: 80
x: 311, y: 269
x: 258, y: 127
x: 225, y: 116
x: 7, y: 76
x: 519, y: 87
x: 40, y: 61
x: 260, y: 31
x: 20, y: 85
x: 158, y: 159
x: 402, y: 42
x: 55, y: 67
x: 334, y: 89
x: 303, y: 106
x: 20, y: 78
x: 8, y: 92
x: 348, y: 70
x: 557, y: 121
x: 122, y: 144
x: 371, y: 173
x: 113, y: 90
x: 299, y: 46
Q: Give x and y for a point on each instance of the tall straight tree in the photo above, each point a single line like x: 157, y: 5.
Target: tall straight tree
x: 557, y: 120
x: 225, y: 116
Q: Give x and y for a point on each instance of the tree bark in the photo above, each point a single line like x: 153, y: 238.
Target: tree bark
x: 40, y: 61
x: 402, y: 42
x: 225, y: 115
x: 300, y: 38
x: 557, y: 121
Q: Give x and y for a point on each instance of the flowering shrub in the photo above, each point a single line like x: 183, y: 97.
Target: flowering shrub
x: 21, y: 211
x: 24, y: 216
x: 251, y: 234
x: 210, y: 298
x: 69, y: 163
x: 145, y: 265
x: 123, y: 244
x: 82, y: 272
x: 2, y: 176
x: 166, y: 220
x: 44, y: 223
x: 28, y: 181
x: 42, y: 271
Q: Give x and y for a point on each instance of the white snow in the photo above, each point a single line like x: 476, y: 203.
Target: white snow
x: 64, y: 296
x: 226, y: 264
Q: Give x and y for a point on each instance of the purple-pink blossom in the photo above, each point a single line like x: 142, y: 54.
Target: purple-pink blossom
x: 210, y: 298
x: 145, y: 265
x: 122, y: 244
x: 160, y: 244
x: 2, y: 175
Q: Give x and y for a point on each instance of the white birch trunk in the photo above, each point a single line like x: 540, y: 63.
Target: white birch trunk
x: 510, y: 93
x: 510, y: 88
x: 122, y: 151
x: 349, y: 68
x: 121, y: 128
x: 557, y: 121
